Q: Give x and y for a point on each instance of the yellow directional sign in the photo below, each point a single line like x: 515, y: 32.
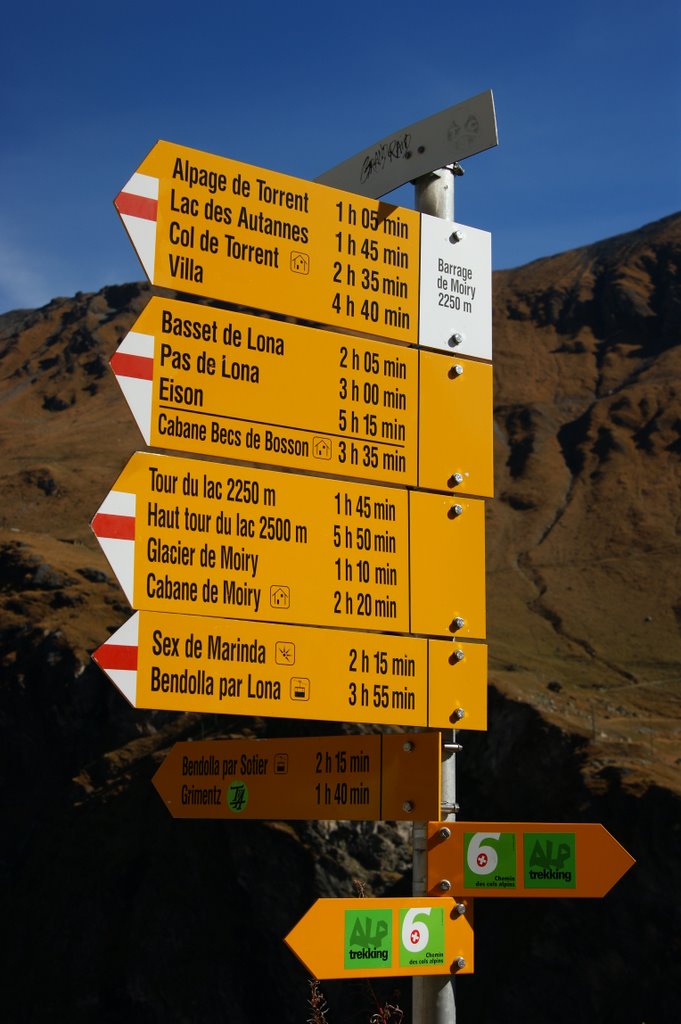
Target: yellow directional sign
x: 367, y: 778
x: 522, y: 858
x: 364, y: 938
x: 223, y: 666
x: 215, y: 382
x: 432, y: 517
x: 205, y: 538
x: 216, y: 227
x: 455, y: 425
x: 210, y: 226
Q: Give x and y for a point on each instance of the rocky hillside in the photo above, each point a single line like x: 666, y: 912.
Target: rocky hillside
x: 117, y: 912
x: 585, y: 609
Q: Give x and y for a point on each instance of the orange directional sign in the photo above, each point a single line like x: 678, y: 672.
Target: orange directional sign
x: 222, y: 666
x: 350, y: 777
x: 215, y: 227
x: 203, y: 538
x: 480, y: 858
x: 367, y: 938
x: 216, y: 382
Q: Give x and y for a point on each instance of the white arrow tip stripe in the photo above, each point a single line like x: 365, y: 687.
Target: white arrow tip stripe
x: 143, y: 236
x: 126, y: 682
x: 118, y: 503
x: 136, y: 344
x: 138, y: 394
x: 121, y: 557
x: 142, y: 185
x: 128, y: 634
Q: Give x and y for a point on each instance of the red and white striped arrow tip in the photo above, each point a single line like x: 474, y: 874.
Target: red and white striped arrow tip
x: 133, y: 365
x: 114, y: 528
x: 137, y: 204
x: 118, y: 658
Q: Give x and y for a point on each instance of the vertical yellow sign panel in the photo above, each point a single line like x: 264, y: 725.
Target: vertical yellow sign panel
x: 447, y: 565
x: 458, y: 684
x: 411, y: 764
x: 455, y: 425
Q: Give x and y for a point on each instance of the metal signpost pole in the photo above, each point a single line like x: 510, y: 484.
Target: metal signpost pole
x: 433, y: 996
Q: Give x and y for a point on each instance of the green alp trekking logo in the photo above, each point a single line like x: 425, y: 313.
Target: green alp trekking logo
x: 368, y: 939
x: 550, y: 860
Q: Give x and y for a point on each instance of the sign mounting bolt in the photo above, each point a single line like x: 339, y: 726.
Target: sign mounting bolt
x: 459, y: 713
x: 458, y: 655
x: 461, y: 909
x: 455, y: 371
x: 458, y: 622
x: 445, y: 833
x: 457, y: 236
x: 457, y: 478
x: 445, y: 885
x: 407, y: 745
x: 408, y: 805
x: 456, y: 510
x: 455, y: 340
x: 460, y: 962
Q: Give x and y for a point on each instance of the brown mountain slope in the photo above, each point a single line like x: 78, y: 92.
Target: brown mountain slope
x: 584, y: 604
x: 584, y: 587
x: 583, y: 617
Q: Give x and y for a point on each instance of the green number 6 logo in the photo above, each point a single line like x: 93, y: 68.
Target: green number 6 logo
x: 482, y: 858
x: 415, y: 933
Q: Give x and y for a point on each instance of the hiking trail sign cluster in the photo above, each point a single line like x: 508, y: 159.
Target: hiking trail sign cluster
x: 315, y: 546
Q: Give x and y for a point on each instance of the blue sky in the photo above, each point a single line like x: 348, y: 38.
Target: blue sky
x: 588, y: 101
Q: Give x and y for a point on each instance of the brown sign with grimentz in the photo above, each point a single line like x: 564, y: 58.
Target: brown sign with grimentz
x: 368, y: 777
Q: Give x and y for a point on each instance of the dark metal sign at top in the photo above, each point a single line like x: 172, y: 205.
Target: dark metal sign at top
x: 454, y: 134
